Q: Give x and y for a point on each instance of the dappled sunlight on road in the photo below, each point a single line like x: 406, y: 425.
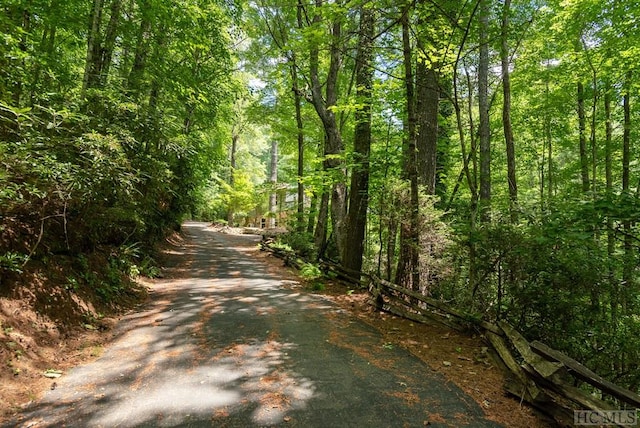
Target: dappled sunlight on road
x: 225, y: 343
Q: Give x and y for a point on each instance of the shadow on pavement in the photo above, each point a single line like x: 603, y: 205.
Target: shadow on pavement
x: 225, y: 344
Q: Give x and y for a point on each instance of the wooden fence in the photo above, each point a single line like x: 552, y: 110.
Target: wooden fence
x: 537, y: 374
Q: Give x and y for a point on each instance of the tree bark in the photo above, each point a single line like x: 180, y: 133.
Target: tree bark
x: 300, y: 226
x: 297, y: 100
x: 140, y: 56
x: 333, y: 163
x: 320, y: 234
x: 584, y: 159
x: 609, y: 191
x: 359, y: 193
x: 427, y: 106
x: 629, y: 265
x: 273, y: 179
x: 92, y: 41
x: 408, y: 271
x: 483, y: 104
x: 506, y: 113
x: 427, y: 109
x: 232, y: 171
x: 109, y: 43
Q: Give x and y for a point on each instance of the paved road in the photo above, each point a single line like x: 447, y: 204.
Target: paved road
x: 226, y: 343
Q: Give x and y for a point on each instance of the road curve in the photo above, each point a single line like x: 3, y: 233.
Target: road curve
x: 226, y: 343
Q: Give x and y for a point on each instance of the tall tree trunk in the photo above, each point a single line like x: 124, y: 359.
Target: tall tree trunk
x: 297, y: 100
x: 313, y: 208
x: 427, y: 108
x: 109, y: 43
x: 629, y: 265
x: 322, y: 225
x: 232, y: 172
x: 359, y: 194
x: 549, y: 143
x: 25, y: 26
x: 608, y: 148
x: 408, y: 271
x: 584, y: 159
x: 483, y: 105
x: 136, y: 73
x: 594, y: 148
x: 93, y: 43
x: 613, y: 286
x: 506, y: 113
x: 333, y: 139
x: 273, y: 179
x: 427, y: 104
x: 47, y: 50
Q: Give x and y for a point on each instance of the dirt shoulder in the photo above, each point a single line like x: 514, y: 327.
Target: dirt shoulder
x: 51, y: 322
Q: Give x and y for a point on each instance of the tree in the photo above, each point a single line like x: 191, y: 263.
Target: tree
x: 483, y: 106
x: 506, y: 112
x: 324, y: 105
x: 408, y: 273
x: 359, y: 190
x: 273, y: 180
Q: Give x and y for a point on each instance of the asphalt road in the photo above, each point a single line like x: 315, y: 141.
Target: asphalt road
x: 224, y: 342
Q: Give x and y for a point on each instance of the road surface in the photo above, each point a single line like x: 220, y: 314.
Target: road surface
x: 225, y: 342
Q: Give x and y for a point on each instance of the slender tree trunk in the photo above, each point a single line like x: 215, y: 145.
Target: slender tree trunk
x: 584, y: 160
x: 427, y: 109
x: 142, y: 49
x: 609, y: 191
x: 313, y: 208
x: 333, y: 139
x: 273, y: 179
x: 232, y: 172
x: 359, y: 194
x: 93, y: 42
x: 594, y: 148
x: 549, y: 141
x: 608, y: 148
x: 506, y: 113
x: 300, y: 129
x: 297, y: 100
x: 322, y: 225
x: 483, y: 104
x: 109, y: 43
x: 25, y: 25
x: 408, y: 271
x: 47, y: 49
x: 629, y: 265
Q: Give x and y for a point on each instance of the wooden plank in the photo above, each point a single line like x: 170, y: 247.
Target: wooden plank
x: 352, y: 273
x: 429, y: 301
x: 543, y: 367
x: 395, y: 306
x: 581, y: 372
x: 504, y: 352
x: 381, y: 283
x: 342, y: 273
x: 404, y: 314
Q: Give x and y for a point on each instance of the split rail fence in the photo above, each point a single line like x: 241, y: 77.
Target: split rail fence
x: 537, y: 374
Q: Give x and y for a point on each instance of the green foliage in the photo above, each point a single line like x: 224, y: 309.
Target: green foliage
x: 301, y: 243
x: 90, y: 167
x: 12, y: 262
x: 310, y: 272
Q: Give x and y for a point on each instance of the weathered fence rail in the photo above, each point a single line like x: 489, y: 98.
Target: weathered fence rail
x: 543, y: 377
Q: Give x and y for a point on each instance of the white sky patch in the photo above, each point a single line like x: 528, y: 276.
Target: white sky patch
x: 257, y: 84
